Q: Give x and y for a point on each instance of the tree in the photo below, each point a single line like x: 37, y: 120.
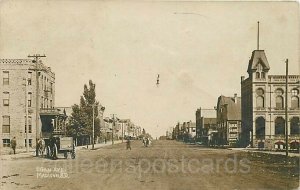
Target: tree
x: 81, y: 120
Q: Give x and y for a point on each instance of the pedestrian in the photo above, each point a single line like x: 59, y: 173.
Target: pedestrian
x: 14, y: 144
x: 105, y: 140
x: 128, y: 146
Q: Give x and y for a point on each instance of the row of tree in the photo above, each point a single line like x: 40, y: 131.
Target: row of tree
x: 80, y: 125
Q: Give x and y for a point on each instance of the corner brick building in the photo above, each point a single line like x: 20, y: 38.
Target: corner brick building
x: 263, y: 106
x: 39, y: 94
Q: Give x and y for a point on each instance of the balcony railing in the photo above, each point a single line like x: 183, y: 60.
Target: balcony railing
x: 49, y: 111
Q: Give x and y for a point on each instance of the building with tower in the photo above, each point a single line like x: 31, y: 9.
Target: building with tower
x: 263, y: 106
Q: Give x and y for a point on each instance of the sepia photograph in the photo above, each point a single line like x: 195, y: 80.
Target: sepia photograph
x: 149, y: 95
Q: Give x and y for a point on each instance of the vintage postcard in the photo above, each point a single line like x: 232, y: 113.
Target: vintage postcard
x: 165, y: 95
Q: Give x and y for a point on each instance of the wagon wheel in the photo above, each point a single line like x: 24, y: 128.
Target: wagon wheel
x: 66, y: 155
x: 48, y: 152
x: 73, y: 153
x: 41, y: 151
x: 54, y: 152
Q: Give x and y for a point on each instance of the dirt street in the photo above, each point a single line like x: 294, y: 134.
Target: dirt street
x: 163, y: 165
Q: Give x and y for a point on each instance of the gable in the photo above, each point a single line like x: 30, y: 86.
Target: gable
x: 258, y: 57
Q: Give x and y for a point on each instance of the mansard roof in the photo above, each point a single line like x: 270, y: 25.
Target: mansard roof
x: 258, y: 56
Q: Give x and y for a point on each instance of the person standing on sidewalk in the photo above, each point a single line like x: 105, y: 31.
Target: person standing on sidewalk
x: 128, y: 146
x: 14, y: 144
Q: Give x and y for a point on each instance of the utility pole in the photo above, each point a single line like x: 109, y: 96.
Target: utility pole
x: 112, y: 130
x: 26, y: 119
x: 36, y: 59
x: 286, y: 108
x: 93, y: 106
x: 122, y: 130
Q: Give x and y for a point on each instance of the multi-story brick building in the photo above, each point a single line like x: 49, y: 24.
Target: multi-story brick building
x: 263, y: 105
x: 19, y: 90
x: 228, y: 120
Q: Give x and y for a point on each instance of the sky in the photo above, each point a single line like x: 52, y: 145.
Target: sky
x: 199, y: 49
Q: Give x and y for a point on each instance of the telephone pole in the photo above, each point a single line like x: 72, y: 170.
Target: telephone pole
x: 112, y: 130
x: 26, y: 112
x: 36, y: 59
x: 93, y: 141
x: 286, y: 108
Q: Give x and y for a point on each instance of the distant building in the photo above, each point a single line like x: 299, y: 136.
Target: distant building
x: 263, y: 106
x: 191, y: 129
x: 209, y: 126
x: 198, y: 123
x: 206, y: 123
x: 19, y: 77
x: 228, y: 120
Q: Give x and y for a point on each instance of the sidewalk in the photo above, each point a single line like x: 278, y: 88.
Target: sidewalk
x: 98, y: 145
x: 21, y: 153
x: 265, y: 151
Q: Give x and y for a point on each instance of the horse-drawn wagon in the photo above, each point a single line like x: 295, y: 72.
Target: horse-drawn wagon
x: 54, y: 140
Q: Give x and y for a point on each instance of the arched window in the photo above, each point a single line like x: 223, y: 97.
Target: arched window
x: 259, y: 67
x: 260, y: 98
x: 295, y: 102
x: 260, y: 92
x: 295, y: 128
x: 279, y: 126
x: 279, y: 102
x: 295, y: 92
x: 259, y: 102
x: 260, y: 127
x: 257, y: 75
x: 263, y: 75
x: 279, y: 92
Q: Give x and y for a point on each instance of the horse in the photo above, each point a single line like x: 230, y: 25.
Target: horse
x: 41, y: 147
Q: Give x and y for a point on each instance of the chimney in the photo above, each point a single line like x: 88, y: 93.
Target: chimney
x: 242, y: 78
x: 235, y: 98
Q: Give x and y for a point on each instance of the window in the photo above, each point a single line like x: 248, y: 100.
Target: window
x: 42, y: 102
x: 260, y: 127
x: 259, y: 67
x: 295, y: 126
x: 295, y: 92
x: 51, y: 106
x: 5, y: 98
x: 295, y: 102
x: 257, y: 75
x: 6, y: 124
x: 279, y: 102
x: 45, y: 84
x: 29, y: 98
x: 45, y: 103
x: 29, y: 124
x: 259, y: 102
x: 6, y: 142
x: 260, y: 92
x: 263, y: 75
x: 279, y: 126
x: 279, y: 92
x: 30, y: 142
x: 42, y: 82
x: 29, y: 80
x: 5, y: 78
x: 51, y: 87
